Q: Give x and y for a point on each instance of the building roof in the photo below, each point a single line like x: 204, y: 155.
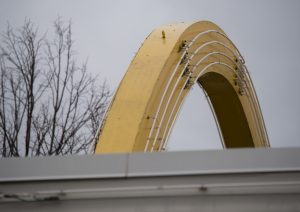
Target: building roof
x: 225, y: 180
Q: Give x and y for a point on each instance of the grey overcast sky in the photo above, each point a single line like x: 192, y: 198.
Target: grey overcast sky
x: 109, y: 33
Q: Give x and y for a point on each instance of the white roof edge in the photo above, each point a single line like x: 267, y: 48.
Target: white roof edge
x: 150, y: 164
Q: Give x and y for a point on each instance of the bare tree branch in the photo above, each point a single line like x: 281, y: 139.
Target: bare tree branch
x: 48, y: 104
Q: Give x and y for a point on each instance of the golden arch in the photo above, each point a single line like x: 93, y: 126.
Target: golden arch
x: 169, y: 62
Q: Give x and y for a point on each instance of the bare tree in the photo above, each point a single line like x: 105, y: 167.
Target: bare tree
x: 48, y: 104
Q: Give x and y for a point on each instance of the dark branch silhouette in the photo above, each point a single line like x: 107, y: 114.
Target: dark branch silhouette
x: 49, y: 105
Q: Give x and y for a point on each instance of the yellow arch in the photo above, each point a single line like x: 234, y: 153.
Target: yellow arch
x: 169, y: 62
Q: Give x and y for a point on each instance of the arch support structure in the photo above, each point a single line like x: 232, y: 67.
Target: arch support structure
x: 172, y: 59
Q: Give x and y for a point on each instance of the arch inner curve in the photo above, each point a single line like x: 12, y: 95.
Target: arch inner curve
x: 228, y: 110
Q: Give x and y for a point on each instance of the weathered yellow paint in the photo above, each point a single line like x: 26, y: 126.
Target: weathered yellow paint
x: 150, y: 94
